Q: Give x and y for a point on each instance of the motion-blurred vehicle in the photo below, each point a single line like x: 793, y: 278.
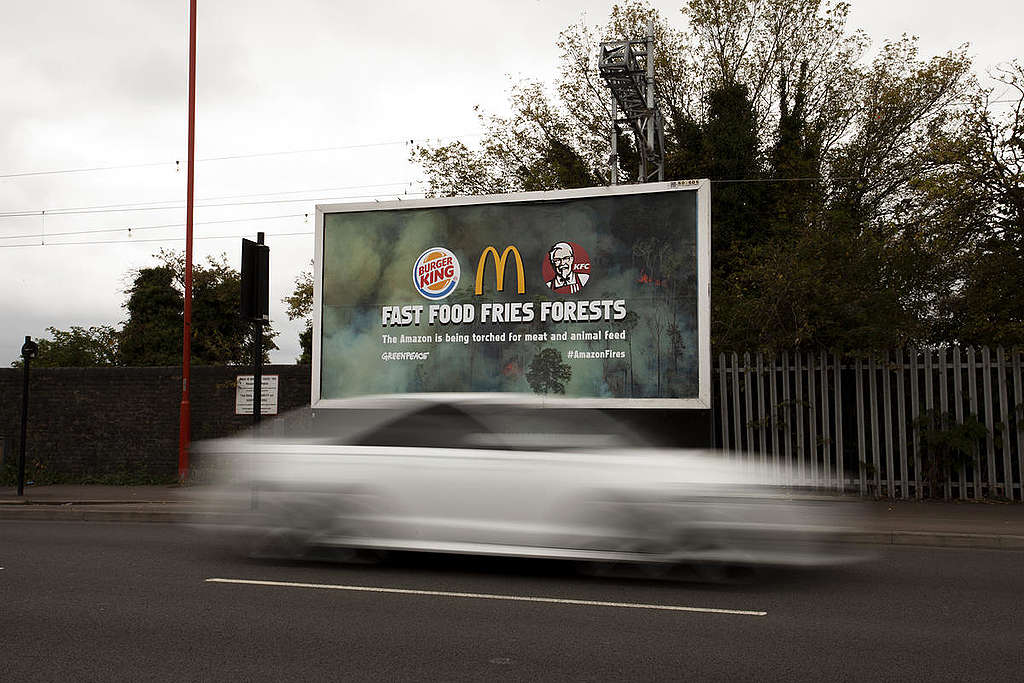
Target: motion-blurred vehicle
x: 505, y: 475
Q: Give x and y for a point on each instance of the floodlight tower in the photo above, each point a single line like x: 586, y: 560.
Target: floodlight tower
x: 627, y: 66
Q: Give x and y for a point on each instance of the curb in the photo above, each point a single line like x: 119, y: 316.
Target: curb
x: 61, y: 503
x: 938, y: 539
x: 66, y: 514
x: 88, y: 513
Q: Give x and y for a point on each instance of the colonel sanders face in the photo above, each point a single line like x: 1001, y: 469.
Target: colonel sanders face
x: 562, y: 259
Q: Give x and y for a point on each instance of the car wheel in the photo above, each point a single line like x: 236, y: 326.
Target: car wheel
x: 292, y: 527
x: 621, y: 526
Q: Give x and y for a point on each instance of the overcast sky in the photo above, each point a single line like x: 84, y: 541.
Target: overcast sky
x: 104, y: 83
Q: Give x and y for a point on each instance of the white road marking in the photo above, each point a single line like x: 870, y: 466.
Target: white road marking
x: 490, y: 596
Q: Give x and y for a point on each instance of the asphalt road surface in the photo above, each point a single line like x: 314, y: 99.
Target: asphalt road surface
x: 105, y: 601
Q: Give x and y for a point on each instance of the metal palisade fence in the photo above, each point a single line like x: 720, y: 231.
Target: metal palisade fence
x: 945, y: 422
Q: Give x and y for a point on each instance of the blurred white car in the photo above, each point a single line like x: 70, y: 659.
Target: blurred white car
x: 501, y: 475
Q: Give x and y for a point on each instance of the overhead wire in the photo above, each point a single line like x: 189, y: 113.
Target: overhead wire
x: 150, y: 206
x: 255, y: 155
x: 146, y: 206
x: 94, y: 231
x: 149, y: 240
x: 227, y: 157
x: 779, y: 180
x: 44, y: 235
x: 88, y: 169
x: 178, y: 204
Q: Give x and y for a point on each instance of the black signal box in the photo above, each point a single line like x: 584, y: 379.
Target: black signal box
x: 255, y: 280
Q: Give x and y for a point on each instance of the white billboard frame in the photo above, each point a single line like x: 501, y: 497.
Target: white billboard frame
x: 701, y: 186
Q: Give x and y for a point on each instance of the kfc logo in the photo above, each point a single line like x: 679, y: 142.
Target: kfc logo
x: 436, y: 273
x: 567, y: 268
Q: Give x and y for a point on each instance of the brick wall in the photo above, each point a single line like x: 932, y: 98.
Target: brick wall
x: 87, y: 422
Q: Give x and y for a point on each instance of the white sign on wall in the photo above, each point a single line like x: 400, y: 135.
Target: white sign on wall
x: 244, y: 386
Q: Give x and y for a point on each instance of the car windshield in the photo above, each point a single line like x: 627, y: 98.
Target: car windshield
x: 438, y: 426
x: 503, y: 427
x: 427, y: 424
x: 551, y: 429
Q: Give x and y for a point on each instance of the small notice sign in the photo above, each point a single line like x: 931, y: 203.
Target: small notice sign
x: 244, y: 390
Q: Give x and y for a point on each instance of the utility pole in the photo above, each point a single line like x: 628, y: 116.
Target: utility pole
x: 185, y: 429
x: 627, y: 67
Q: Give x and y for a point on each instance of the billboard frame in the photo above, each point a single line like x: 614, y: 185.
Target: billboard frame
x: 701, y: 186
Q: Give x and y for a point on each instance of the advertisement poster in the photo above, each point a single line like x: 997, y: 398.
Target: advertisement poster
x: 596, y: 294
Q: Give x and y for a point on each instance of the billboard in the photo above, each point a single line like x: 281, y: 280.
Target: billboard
x: 594, y: 297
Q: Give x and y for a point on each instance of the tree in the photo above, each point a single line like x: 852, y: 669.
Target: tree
x: 550, y: 141
x: 77, y: 347
x: 840, y: 214
x: 220, y: 336
x: 817, y: 289
x: 977, y: 210
x: 547, y: 373
x: 152, y: 334
x: 300, y: 306
x: 730, y: 152
x: 629, y: 323
x: 901, y: 104
x: 737, y: 51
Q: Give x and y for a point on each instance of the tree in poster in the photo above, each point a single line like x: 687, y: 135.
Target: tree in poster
x: 629, y: 323
x: 547, y: 373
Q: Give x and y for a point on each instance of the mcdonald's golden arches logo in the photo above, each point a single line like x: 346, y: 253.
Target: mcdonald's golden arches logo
x: 499, y: 267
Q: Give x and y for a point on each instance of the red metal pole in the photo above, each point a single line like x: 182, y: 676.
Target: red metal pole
x: 184, y: 434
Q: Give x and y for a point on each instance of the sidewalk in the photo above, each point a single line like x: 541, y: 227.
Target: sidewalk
x: 941, y: 523
x: 101, y: 503
x: 95, y: 494
x: 930, y: 523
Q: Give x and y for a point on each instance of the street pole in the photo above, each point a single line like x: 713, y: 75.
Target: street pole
x: 614, y: 158
x: 24, y: 430
x: 650, y: 98
x: 28, y: 351
x: 184, y: 434
x: 257, y: 361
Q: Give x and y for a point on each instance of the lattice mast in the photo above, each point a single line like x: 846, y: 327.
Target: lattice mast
x: 627, y: 67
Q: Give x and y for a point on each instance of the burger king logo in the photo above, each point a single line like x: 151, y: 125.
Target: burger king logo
x: 436, y: 273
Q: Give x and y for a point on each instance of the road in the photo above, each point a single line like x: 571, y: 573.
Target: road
x: 106, y: 601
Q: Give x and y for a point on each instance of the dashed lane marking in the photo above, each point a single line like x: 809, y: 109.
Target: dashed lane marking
x: 489, y: 596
